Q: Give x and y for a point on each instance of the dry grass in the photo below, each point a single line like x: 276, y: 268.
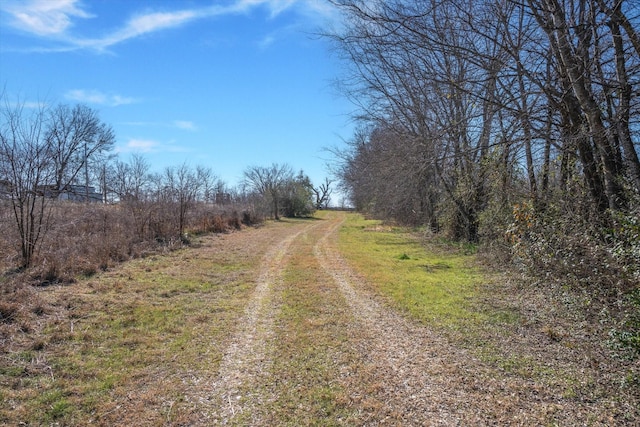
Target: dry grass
x: 126, y: 346
x: 277, y: 326
x: 81, y: 239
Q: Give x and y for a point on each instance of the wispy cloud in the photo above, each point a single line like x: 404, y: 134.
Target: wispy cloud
x: 143, y: 145
x: 54, y: 19
x: 185, y: 125
x: 44, y: 17
x: 178, y: 124
x: 267, y: 41
x: 98, y: 97
x: 135, y: 145
x: 140, y: 25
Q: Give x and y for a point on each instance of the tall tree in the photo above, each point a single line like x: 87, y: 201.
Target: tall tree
x: 75, y: 135
x: 454, y: 92
x: 25, y: 166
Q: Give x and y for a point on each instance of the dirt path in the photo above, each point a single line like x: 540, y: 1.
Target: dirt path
x: 421, y: 379
x: 271, y: 327
x: 244, y: 360
x: 397, y: 372
x: 391, y: 370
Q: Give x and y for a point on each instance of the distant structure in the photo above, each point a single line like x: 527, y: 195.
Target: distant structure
x: 74, y: 193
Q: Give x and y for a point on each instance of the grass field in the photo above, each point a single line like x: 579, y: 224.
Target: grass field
x: 146, y: 340
x: 140, y: 330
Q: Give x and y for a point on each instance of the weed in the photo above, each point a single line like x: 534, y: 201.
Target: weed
x: 626, y: 337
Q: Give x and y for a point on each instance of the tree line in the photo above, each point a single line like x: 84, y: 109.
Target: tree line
x: 50, y: 154
x: 511, y: 123
x: 473, y: 106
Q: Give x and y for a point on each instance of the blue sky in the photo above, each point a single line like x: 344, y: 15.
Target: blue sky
x: 223, y: 84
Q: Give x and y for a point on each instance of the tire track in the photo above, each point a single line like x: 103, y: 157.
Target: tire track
x: 245, y: 358
x: 413, y: 376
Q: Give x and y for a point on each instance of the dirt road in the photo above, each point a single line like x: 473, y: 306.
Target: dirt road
x: 268, y: 327
x: 378, y: 367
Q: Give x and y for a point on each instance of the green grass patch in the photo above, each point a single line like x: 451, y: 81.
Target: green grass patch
x: 437, y: 286
x: 444, y: 287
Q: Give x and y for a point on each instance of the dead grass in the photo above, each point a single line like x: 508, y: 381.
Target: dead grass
x: 82, y: 239
x: 126, y: 346
x: 148, y: 342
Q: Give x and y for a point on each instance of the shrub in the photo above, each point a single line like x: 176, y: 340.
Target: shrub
x: 85, y: 238
x: 624, y: 238
x: 595, y: 259
x: 625, y: 338
x: 233, y: 221
x: 217, y: 224
x: 560, y: 244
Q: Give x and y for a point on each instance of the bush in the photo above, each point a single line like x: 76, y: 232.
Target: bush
x: 234, y: 221
x: 624, y: 238
x: 594, y: 259
x: 85, y: 238
x: 560, y: 244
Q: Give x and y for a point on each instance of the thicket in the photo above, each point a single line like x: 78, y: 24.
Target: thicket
x: 276, y: 191
x: 84, y: 238
x: 69, y: 207
x: 509, y: 124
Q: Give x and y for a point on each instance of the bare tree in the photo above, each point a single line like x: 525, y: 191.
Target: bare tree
x: 25, y: 165
x: 322, y: 194
x: 455, y: 92
x: 268, y: 182
x: 181, y: 188
x: 75, y: 135
x: 130, y: 182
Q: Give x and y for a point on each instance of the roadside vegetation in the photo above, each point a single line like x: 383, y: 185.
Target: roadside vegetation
x: 145, y: 339
x: 546, y: 335
x: 436, y: 286
x: 512, y: 127
x: 122, y: 347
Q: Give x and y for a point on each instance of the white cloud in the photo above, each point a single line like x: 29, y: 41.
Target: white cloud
x: 44, y: 17
x: 97, y: 97
x: 185, y: 125
x: 138, y: 146
x: 54, y: 18
x: 141, y: 25
x: 267, y: 41
x: 143, y: 145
